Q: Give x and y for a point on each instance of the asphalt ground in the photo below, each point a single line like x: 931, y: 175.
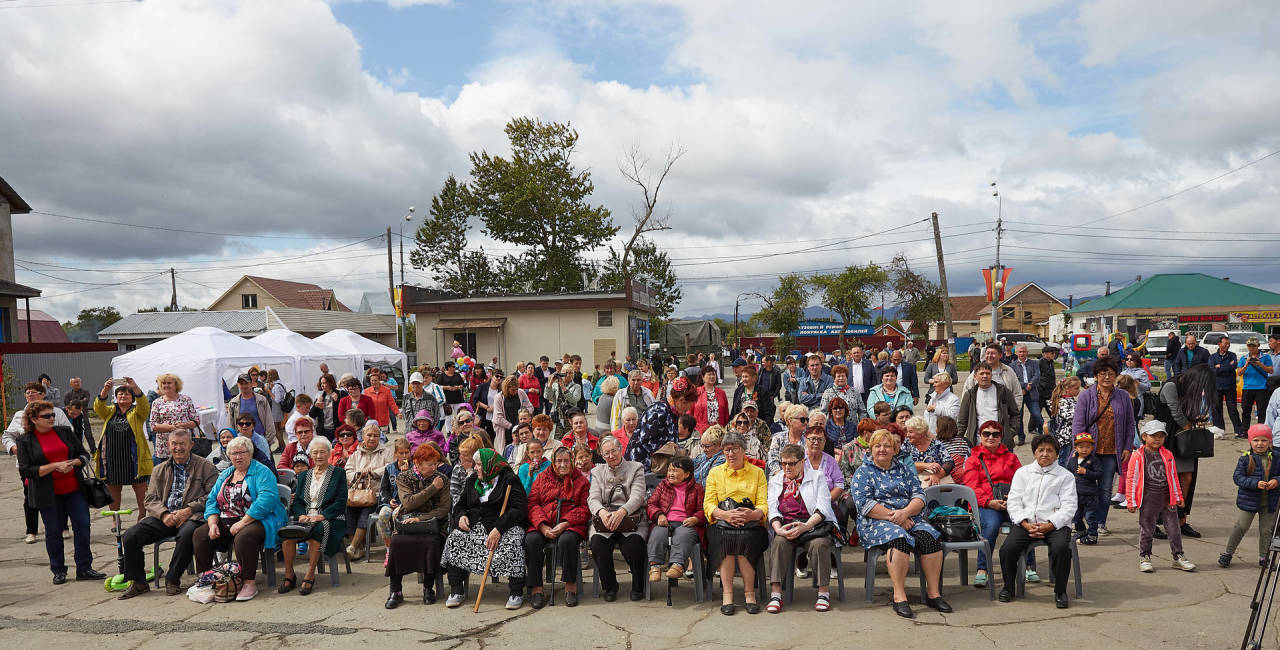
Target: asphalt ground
x: 1121, y: 607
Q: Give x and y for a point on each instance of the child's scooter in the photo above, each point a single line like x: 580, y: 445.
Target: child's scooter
x: 118, y: 582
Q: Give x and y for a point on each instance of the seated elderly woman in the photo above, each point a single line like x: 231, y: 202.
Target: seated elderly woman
x: 710, y: 455
x: 558, y: 514
x: 1042, y: 503
x: 931, y: 460
x: 319, y: 502
x: 244, y: 511
x: 364, y: 469
x: 797, y: 422
x: 616, y: 501
x: 420, y: 522
x: 989, y: 471
x: 800, y: 503
x: 629, y: 419
x: 482, y: 525
x: 678, y: 522
x: 736, y: 504
x: 889, y: 502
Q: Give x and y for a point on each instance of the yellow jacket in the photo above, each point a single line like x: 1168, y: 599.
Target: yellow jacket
x: 137, y: 416
x: 746, y: 483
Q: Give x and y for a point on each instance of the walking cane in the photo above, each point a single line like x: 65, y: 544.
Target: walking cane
x: 489, y: 561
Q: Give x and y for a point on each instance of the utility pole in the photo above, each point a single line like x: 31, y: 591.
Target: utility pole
x: 942, y: 277
x: 404, y: 326
x: 998, y: 284
x: 391, y: 280
x: 173, y: 284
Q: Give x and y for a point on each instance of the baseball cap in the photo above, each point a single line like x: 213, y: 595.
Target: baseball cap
x: 1084, y: 437
x: 415, y: 378
x: 244, y: 378
x: 1152, y: 427
x: 749, y: 404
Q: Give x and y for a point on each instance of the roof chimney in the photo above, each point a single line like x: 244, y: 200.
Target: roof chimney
x: 1226, y: 279
x: 1108, y: 287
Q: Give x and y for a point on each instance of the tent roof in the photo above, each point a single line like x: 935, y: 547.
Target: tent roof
x: 293, y: 343
x: 205, y: 343
x: 1171, y: 290
x: 352, y: 343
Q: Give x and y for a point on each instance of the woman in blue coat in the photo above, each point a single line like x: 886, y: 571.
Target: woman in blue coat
x: 890, y: 503
x: 244, y: 511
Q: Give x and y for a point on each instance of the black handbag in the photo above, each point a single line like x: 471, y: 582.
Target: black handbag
x: 428, y: 527
x: 630, y: 523
x: 955, y: 528
x: 823, y: 529
x: 1193, y: 443
x: 295, y: 530
x: 733, y: 504
x: 999, y: 491
x: 94, y: 489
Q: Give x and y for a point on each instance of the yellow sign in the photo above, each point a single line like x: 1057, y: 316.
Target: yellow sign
x: 397, y: 297
x: 1254, y: 316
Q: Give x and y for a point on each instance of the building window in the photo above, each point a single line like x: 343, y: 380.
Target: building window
x: 248, y: 301
x: 1007, y: 312
x: 1026, y: 318
x: 130, y: 347
x: 604, y: 318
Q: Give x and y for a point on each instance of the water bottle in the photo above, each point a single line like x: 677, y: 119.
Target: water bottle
x: 302, y: 548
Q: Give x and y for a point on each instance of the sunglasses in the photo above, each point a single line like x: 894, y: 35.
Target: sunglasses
x: 788, y: 463
x: 464, y: 421
x: 990, y: 434
x: 801, y: 419
x: 296, y: 430
x: 244, y: 424
x: 46, y: 416
x: 347, y: 434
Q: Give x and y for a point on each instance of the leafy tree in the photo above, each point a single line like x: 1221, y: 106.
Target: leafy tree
x: 783, y: 309
x: 918, y: 297
x: 849, y: 292
x: 538, y: 200
x: 441, y: 244
x: 650, y: 265
x: 89, y: 322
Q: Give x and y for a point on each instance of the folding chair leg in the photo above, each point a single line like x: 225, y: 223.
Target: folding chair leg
x: 869, y: 584
x: 333, y: 569
x: 155, y: 562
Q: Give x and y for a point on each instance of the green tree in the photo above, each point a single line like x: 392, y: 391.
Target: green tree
x: 89, y: 322
x: 650, y: 265
x: 918, y: 298
x: 783, y: 309
x: 538, y: 200
x: 441, y: 244
x: 849, y: 292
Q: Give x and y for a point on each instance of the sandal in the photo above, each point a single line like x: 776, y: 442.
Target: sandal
x: 775, y: 605
x: 287, y: 584
x: 307, y: 584
x: 824, y: 603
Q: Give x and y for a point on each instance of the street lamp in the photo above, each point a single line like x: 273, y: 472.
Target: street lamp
x: 404, y: 333
x: 736, y: 332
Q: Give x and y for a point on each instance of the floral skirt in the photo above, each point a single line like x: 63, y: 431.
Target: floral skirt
x: 467, y: 551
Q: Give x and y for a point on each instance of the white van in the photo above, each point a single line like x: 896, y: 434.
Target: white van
x: 1158, y: 343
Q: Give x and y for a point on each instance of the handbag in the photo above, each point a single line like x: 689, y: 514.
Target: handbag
x: 999, y: 491
x: 823, y: 529
x: 361, y: 494
x: 428, y: 527
x: 734, y: 504
x: 94, y: 489
x: 630, y: 523
x: 1193, y: 443
x: 954, y: 524
x: 295, y: 530
x: 226, y: 582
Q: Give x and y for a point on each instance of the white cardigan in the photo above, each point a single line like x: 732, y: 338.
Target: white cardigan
x: 1039, y: 494
x: 813, y: 490
x: 943, y: 404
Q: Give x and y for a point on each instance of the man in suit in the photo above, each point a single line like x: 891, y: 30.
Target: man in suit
x: 1191, y: 354
x: 862, y: 373
x: 1028, y: 372
x: 907, y: 376
x: 1048, y: 375
x: 768, y: 388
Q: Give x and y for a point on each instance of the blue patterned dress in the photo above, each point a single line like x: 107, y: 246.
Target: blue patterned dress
x: 892, y: 488
x: 657, y: 427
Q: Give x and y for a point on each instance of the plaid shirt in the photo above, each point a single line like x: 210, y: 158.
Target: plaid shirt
x: 173, y: 502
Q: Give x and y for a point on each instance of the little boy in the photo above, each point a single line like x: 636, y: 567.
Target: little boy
x: 1083, y: 464
x: 882, y: 412
x: 1258, y: 491
x: 1153, y: 492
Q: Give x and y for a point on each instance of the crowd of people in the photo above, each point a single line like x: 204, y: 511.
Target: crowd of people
x: 501, y: 475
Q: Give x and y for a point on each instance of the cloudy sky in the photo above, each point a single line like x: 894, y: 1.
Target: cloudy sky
x: 280, y: 138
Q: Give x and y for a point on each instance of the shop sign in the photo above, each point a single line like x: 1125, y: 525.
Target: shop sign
x: 1255, y: 316
x: 1203, y: 318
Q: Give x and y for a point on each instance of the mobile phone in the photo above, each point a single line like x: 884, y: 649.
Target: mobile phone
x: 118, y: 381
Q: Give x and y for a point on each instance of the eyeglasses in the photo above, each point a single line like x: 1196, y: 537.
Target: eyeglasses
x: 296, y: 431
x: 990, y: 434
x: 838, y: 408
x: 788, y: 463
x: 732, y: 450
x: 817, y: 440
x: 240, y: 453
x: 464, y: 421
x: 46, y: 416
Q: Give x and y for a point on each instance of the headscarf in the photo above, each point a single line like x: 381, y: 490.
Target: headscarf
x: 489, y: 465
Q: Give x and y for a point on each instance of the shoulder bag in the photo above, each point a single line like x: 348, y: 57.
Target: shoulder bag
x: 1196, y: 442
x: 733, y: 504
x: 999, y: 491
x: 362, y: 493
x: 629, y: 524
x: 94, y: 489
x: 295, y: 530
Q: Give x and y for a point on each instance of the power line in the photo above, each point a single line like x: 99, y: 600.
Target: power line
x: 1251, y: 238
x: 184, y: 230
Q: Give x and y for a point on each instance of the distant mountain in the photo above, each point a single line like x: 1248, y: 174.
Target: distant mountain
x: 812, y: 312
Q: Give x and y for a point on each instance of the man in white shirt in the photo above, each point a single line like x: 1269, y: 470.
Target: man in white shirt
x: 1000, y: 373
x: 983, y: 402
x: 862, y: 373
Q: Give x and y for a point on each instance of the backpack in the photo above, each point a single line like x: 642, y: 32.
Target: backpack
x: 287, y: 403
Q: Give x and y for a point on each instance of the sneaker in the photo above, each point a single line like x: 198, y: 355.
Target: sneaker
x: 302, y: 549
x: 1124, y: 503
x: 1224, y: 560
x: 1144, y: 564
x: 980, y: 580
x: 688, y: 574
x: 655, y: 573
x: 1117, y: 497
x: 247, y: 592
x: 675, y: 571
x: 802, y: 574
x: 1032, y: 576
x: 29, y: 539
x: 1180, y: 561
x: 1103, y: 532
x: 1089, y: 540
x: 833, y: 575
x: 514, y: 602
x: 1188, y: 531
x: 454, y: 600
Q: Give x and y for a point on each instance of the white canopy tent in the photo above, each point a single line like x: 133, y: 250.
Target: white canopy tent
x: 203, y: 358
x: 366, y: 351
x: 308, y: 355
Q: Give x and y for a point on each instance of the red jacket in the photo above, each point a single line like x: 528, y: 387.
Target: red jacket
x: 1002, y: 463
x: 662, y: 497
x: 1136, y: 475
x: 592, y: 440
x: 542, y: 501
x: 529, y: 382
x: 365, y: 405
x: 383, y: 403
x: 700, y: 409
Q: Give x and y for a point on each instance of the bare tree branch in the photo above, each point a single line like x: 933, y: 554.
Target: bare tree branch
x: 635, y: 168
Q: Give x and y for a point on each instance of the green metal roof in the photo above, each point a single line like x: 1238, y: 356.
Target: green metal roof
x: 1180, y: 290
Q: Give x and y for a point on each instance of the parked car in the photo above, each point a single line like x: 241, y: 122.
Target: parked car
x: 1158, y: 343
x: 1035, y: 346
x: 1238, y: 340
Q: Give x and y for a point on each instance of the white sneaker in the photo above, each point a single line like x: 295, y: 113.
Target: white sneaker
x: 1180, y: 561
x: 454, y: 600
x: 1144, y: 564
x: 834, y: 575
x: 1117, y: 497
x: 1124, y: 503
x: 1103, y: 532
x: 514, y: 602
x: 29, y: 539
x: 802, y: 574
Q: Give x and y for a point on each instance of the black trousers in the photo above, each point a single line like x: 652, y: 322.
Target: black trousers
x: 1248, y: 398
x: 1015, y: 546
x: 566, y: 545
x: 1227, y: 397
x: 149, y: 531
x: 633, y: 550
x: 31, y: 514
